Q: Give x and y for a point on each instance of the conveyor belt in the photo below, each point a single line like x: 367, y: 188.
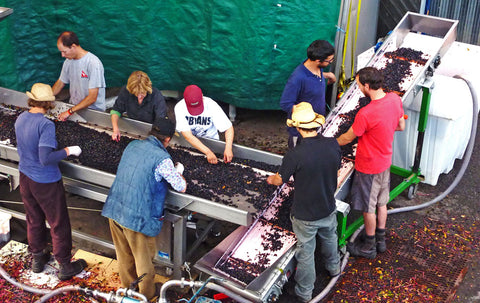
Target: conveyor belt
x: 239, y: 212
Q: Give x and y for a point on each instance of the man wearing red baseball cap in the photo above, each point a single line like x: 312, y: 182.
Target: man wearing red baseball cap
x: 200, y: 116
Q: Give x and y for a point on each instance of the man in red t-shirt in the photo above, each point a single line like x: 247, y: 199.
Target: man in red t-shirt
x: 374, y: 125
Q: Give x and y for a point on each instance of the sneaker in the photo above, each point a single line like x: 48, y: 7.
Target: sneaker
x: 39, y: 261
x: 69, y: 270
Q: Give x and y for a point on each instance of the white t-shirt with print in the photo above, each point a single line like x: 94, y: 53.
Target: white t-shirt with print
x: 206, y: 125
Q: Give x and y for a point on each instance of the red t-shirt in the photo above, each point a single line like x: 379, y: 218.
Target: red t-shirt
x: 375, y: 126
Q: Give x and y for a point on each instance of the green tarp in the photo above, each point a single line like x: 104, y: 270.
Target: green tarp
x: 238, y: 52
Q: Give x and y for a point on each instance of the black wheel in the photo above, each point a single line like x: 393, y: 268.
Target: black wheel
x: 412, y: 191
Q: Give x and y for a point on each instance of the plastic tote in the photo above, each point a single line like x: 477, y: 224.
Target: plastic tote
x: 5, y: 226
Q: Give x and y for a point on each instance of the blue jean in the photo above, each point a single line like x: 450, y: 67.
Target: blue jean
x: 305, y: 231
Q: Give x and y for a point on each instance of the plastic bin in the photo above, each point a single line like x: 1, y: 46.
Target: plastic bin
x: 5, y: 226
x: 447, y: 132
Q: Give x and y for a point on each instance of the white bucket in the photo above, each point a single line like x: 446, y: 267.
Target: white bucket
x: 5, y: 226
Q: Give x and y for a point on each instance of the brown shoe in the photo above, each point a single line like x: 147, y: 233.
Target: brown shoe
x: 69, y: 270
x: 39, y: 261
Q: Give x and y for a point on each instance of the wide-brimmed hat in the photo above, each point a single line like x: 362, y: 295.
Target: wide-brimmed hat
x: 303, y: 116
x: 194, y: 99
x: 41, y: 92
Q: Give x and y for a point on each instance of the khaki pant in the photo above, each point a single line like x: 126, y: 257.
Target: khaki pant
x: 135, y: 252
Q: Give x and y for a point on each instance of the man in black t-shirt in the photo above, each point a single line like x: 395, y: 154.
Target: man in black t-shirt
x: 313, y: 163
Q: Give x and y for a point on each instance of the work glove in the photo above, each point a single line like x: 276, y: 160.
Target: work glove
x: 179, y: 167
x: 74, y: 150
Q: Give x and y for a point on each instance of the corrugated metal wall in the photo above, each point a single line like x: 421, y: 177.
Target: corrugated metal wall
x: 468, y: 14
x: 466, y: 11
x: 392, y: 11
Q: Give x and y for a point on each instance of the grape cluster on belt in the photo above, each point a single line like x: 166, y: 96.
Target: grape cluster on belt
x: 347, y: 121
x: 241, y: 270
x: 99, y: 151
x: 223, y: 181
x: 409, y: 54
x: 7, y: 127
x: 280, y: 225
x: 398, y: 69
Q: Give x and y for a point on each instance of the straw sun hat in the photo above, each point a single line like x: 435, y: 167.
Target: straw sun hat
x: 303, y: 116
x: 41, y: 92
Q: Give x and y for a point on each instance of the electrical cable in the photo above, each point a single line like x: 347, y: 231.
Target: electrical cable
x: 455, y: 182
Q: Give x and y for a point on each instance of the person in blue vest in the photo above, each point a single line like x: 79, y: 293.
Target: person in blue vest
x: 136, y: 200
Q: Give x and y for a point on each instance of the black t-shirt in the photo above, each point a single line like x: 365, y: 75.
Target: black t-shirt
x: 314, y: 164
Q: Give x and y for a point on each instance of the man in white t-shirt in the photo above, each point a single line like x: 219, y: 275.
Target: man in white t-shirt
x: 200, y: 116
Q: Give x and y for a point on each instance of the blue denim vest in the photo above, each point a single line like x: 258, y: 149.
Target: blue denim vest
x: 136, y: 199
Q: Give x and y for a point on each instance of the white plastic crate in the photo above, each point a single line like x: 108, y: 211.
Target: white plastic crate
x: 447, y: 132
x: 450, y: 116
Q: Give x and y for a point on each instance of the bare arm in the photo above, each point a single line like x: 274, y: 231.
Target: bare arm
x: 195, y: 142
x: 86, y: 102
x: 330, y: 77
x: 346, y: 137
x: 116, y: 130
x: 228, y: 153
x: 57, y: 87
x: 401, y: 124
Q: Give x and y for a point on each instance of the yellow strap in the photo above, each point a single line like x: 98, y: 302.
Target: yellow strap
x: 355, y: 38
x: 341, y: 78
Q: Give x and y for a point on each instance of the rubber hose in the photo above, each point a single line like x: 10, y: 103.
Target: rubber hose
x: 181, y: 283
x: 463, y: 168
x: 58, y: 291
x: 11, y: 280
x: 334, y: 280
x: 213, y: 286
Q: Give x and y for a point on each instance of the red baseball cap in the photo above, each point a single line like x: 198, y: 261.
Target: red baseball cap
x: 194, y: 99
